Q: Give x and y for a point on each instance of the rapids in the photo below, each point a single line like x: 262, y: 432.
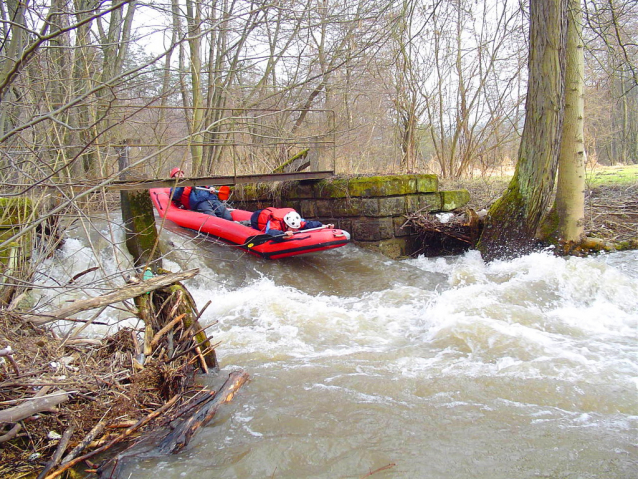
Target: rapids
x: 420, y: 368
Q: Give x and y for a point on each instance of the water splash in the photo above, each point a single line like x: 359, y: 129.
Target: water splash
x: 435, y: 364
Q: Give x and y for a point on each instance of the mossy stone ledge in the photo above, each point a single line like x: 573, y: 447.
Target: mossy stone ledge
x: 372, y: 209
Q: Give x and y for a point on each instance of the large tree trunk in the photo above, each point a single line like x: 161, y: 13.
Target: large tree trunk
x: 566, y: 224
x: 513, y: 220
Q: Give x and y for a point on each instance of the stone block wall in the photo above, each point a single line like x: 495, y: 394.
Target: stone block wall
x: 372, y: 209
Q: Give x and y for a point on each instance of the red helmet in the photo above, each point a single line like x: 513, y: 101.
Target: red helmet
x: 175, y: 170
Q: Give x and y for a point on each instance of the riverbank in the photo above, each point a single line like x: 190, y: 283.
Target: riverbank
x: 107, y: 389
x: 611, y: 200
x: 66, y: 398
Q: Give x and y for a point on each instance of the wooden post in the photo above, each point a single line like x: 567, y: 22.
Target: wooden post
x: 142, y: 243
x: 139, y: 219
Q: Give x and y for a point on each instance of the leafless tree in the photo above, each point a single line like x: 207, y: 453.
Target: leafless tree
x: 570, y: 190
x: 612, y: 58
x: 465, y: 71
x: 513, y: 220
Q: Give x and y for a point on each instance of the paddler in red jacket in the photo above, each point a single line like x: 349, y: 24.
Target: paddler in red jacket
x: 202, y: 199
x: 281, y: 221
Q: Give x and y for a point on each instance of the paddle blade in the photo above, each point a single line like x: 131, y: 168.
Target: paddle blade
x: 223, y: 193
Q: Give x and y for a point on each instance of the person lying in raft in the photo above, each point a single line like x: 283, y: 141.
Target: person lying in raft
x: 281, y: 222
x: 198, y: 198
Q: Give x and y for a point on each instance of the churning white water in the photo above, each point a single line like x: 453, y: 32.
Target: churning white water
x: 421, y: 368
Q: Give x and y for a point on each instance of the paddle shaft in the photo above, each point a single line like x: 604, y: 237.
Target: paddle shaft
x: 301, y: 231
x: 264, y: 237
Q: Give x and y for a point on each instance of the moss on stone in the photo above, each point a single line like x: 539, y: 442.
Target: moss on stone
x: 331, y: 188
x: 372, y: 208
x: 347, y: 207
x: 426, y: 202
x: 371, y: 186
x: 324, y: 208
x: 359, y: 187
x: 308, y: 209
x: 427, y: 183
x: 300, y: 191
x: 391, y: 206
x: 381, y: 186
x: 451, y: 200
x: 372, y: 229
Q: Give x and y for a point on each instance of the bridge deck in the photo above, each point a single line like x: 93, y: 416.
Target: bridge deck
x: 219, y: 180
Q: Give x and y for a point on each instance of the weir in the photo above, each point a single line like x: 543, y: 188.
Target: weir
x: 373, y: 209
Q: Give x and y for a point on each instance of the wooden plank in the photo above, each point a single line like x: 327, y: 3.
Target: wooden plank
x: 218, y: 180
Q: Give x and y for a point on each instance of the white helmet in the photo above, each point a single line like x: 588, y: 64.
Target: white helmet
x: 293, y: 220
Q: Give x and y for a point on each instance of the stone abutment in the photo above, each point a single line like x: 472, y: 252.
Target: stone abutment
x: 373, y: 209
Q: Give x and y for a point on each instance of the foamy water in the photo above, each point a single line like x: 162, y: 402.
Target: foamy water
x: 445, y: 368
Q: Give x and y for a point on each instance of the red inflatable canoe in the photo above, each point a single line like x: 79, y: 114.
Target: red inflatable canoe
x: 245, y: 237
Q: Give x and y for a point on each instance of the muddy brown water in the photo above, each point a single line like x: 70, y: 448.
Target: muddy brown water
x: 421, y: 368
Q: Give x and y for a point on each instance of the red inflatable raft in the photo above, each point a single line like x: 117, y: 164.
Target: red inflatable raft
x: 245, y: 237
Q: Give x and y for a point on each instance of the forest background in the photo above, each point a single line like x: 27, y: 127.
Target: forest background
x: 239, y: 87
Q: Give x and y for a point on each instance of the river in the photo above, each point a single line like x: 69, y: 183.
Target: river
x: 362, y: 366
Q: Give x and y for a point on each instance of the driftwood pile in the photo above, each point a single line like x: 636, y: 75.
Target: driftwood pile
x: 445, y: 233
x: 611, y: 214
x: 611, y: 222
x: 66, y: 400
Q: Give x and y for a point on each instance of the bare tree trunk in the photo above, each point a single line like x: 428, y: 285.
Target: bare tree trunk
x: 570, y: 193
x: 407, y: 97
x: 194, y: 18
x: 15, y: 40
x: 80, y: 118
x: 513, y: 220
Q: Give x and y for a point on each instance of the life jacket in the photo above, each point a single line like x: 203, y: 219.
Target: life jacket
x: 276, y: 218
x: 184, y: 199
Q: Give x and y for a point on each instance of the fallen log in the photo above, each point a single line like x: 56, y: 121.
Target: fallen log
x: 33, y: 406
x: 124, y: 293
x: 179, y: 438
x: 159, y: 443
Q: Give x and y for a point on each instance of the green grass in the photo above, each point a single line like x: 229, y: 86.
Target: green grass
x: 612, y: 176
